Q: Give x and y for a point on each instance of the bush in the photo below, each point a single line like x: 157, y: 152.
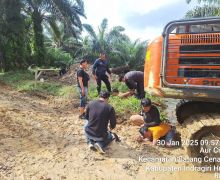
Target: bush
x: 59, y: 58
x: 125, y: 107
x: 24, y: 81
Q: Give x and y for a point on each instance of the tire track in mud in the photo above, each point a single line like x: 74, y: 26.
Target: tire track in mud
x: 29, y: 126
x: 42, y: 138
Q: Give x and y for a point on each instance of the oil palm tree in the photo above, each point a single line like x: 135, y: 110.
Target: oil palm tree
x: 103, y: 40
x: 56, y: 37
x: 206, y: 8
x: 66, y: 11
x: 131, y: 53
x: 203, y: 11
x: 206, y: 1
x: 120, y: 49
x: 12, y: 44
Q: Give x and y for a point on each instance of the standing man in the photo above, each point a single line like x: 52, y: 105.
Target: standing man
x: 99, y: 114
x: 82, y: 81
x: 134, y: 80
x: 99, y: 69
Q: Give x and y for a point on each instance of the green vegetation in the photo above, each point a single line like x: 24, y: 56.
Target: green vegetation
x: 131, y: 105
x: 22, y: 34
x: 126, y: 106
x: 24, y: 81
x: 49, y: 33
x: 118, y: 46
x: 58, y: 58
x: 205, y: 8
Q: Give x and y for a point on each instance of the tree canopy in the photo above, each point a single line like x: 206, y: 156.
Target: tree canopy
x: 44, y: 32
x: 205, y: 8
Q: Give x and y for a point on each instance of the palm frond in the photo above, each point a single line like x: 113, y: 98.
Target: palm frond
x: 104, y: 25
x: 69, y: 12
x: 55, y: 28
x: 90, y: 30
x: 203, y: 11
x: 210, y: 2
x: 188, y: 1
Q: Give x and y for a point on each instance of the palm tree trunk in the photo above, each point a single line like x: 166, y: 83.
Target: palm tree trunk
x: 13, y: 33
x: 39, y: 49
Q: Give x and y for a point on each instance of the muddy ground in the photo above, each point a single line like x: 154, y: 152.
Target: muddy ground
x: 42, y: 138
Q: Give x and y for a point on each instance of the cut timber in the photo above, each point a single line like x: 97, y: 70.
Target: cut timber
x: 38, y: 71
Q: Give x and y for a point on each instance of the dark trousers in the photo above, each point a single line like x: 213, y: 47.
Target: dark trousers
x: 105, y: 79
x: 140, y: 90
x: 103, y: 143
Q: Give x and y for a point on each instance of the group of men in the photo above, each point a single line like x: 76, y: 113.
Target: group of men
x: 133, y: 79
x: 100, y: 115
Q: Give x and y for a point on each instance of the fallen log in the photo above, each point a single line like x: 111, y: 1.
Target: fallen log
x: 120, y: 70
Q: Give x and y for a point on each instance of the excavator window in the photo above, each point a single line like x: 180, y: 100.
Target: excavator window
x: 193, y: 54
x: 197, y: 28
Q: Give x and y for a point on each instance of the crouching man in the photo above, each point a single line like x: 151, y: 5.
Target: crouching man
x: 151, y: 126
x: 149, y: 116
x: 100, y: 114
x: 155, y: 133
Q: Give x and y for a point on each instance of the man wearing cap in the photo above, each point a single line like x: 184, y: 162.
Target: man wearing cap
x: 82, y: 81
x: 100, y: 114
x: 134, y: 81
x: 152, y: 129
x: 149, y: 116
x: 99, y: 69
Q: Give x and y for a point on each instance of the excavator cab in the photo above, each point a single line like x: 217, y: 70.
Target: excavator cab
x: 184, y: 62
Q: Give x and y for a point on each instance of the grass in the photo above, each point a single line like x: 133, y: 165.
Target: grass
x: 125, y: 106
x: 24, y: 81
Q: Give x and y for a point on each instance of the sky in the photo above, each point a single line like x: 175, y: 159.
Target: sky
x: 142, y: 19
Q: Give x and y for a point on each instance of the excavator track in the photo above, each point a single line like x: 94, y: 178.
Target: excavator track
x: 186, y: 108
x: 200, y: 136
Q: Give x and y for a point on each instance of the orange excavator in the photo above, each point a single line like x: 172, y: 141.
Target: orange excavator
x: 184, y: 63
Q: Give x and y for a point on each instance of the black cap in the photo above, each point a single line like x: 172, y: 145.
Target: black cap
x: 104, y: 94
x: 146, y: 102
x: 83, y: 61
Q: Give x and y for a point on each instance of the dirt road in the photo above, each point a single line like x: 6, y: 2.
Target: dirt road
x: 41, y: 137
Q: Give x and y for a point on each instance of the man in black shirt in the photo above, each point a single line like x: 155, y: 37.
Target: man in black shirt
x: 149, y: 116
x: 99, y: 114
x: 82, y: 81
x: 99, y: 69
x: 134, y: 80
x: 150, y: 113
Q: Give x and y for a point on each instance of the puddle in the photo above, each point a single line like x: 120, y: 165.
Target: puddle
x: 171, y: 110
